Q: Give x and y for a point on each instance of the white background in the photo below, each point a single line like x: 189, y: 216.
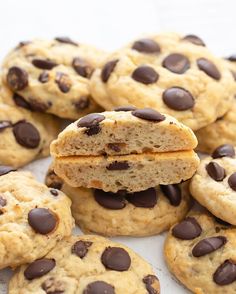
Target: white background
x: 109, y: 24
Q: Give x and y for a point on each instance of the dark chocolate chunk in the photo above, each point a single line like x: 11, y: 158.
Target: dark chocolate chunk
x: 146, y: 46
x: 224, y: 150
x: 63, y: 81
x: 177, y: 63
x: 66, y: 40
x: 42, y: 220
x: 146, y: 198
x: 116, y: 258
x: 26, y: 134
x: 148, y: 114
x: 39, y: 268
x: 209, y: 68
x: 44, y: 77
x: 232, y: 181
x: 215, y: 171
x: 225, y: 273
x: 82, y: 67
x: 152, y: 284
x: 44, y: 63
x: 17, y: 78
x: 118, y: 165
x: 188, y: 229
x: 109, y: 200
x: 178, y: 99
x: 108, y: 69
x: 145, y: 74
x: 124, y: 108
x: 194, y: 39
x: 173, y: 193
x: 208, y: 245
x: 99, y: 287
x: 80, y: 248
x: 92, y: 123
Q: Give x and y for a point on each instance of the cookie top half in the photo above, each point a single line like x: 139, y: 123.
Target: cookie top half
x: 169, y: 73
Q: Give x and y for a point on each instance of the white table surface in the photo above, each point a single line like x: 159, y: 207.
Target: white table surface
x: 109, y: 24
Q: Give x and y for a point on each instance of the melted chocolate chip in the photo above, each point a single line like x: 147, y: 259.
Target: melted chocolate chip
x: 146, y: 46
x: 232, y: 181
x: 26, y: 135
x: 209, y: 68
x: 145, y: 74
x: 188, y: 229
x: 82, y: 103
x: 173, y: 193
x: 178, y: 99
x: 44, y: 63
x: 109, y: 200
x: 146, y: 199
x: 39, y: 106
x: 80, y: 248
x: 152, y: 284
x: 118, y: 165
x: 54, y: 192
x: 225, y: 273
x: 148, y: 114
x: 124, y: 108
x: 5, y: 124
x: 66, y: 40
x: 42, y: 220
x: 3, y: 201
x: 215, y: 171
x: 82, y: 67
x: 176, y: 63
x: 5, y: 169
x: 39, y: 268
x: 63, y: 81
x: 194, y: 39
x: 99, y: 287
x: 225, y: 150
x: 20, y: 101
x: 108, y: 69
x: 116, y: 258
x: 92, y: 123
x: 44, y: 77
x: 53, y: 286
x: 17, y: 78
x: 208, y: 245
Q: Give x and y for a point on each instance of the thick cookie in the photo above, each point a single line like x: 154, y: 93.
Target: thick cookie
x: 214, y: 184
x: 201, y: 252
x: 143, y: 213
x: 169, y: 73
x: 88, y: 265
x: 33, y: 218
x: 25, y: 135
x: 52, y: 76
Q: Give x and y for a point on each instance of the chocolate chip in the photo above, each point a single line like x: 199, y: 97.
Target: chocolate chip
x: 26, y: 135
x: 80, y: 248
x: 17, y: 78
x: 3, y: 201
x: 188, y: 229
x: 118, y: 165
x: 53, y: 286
x: 194, y: 39
x: 148, y: 114
x: 91, y: 122
x: 108, y: 69
x: 146, y: 199
x: 63, y: 81
x: 232, y: 57
x: 177, y: 63
x: 66, y: 40
x: 208, y: 245
x: 99, y: 287
x: 82, y: 67
x: 124, y: 108
x: 42, y: 220
x: 224, y: 150
x: 178, y: 99
x: 215, y: 171
x: 5, y: 169
x: 225, y: 273
x: 5, y: 124
x: 54, y: 192
x: 173, y: 193
x: 82, y: 103
x: 44, y: 77
x: 209, y: 68
x: 232, y: 181
x: 39, y: 268
x: 116, y: 258
x: 44, y: 63
x: 152, y: 284
x: 39, y: 106
x: 145, y: 74
x: 114, y: 147
x: 109, y: 200
x: 146, y: 46
x: 53, y: 181
x: 20, y: 101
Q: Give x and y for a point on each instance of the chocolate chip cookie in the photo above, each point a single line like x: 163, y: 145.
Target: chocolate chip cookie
x: 152, y: 149
x: 200, y: 252
x: 86, y: 264
x: 173, y: 74
x: 52, y: 76
x: 33, y: 218
x: 214, y: 184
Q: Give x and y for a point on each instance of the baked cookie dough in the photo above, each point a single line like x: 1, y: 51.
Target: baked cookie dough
x: 169, y: 73
x: 33, y: 218
x: 52, y: 76
x: 214, y: 184
x: 88, y: 265
x: 82, y: 159
x: 200, y: 252
x: 144, y: 213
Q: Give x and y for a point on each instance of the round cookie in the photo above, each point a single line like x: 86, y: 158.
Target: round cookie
x: 88, y: 265
x: 214, y: 184
x: 33, y: 218
x: 200, y: 252
x: 143, y: 213
x: 25, y: 135
x: 52, y: 76
x: 176, y: 76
